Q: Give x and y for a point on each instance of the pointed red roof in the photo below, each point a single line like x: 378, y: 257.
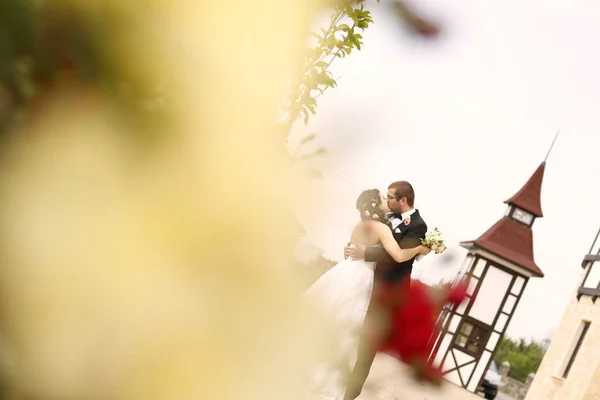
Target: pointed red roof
x: 528, y: 198
x: 511, y: 241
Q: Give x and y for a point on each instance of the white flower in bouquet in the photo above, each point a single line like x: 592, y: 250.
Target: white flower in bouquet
x: 435, y: 241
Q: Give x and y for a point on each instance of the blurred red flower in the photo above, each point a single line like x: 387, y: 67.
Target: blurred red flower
x: 413, y: 325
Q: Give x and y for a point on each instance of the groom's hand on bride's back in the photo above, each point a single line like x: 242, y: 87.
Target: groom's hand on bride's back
x: 355, y: 252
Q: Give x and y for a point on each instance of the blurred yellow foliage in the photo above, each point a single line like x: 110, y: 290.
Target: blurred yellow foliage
x: 159, y: 270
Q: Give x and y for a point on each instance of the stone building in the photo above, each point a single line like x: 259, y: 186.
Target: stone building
x: 571, y: 368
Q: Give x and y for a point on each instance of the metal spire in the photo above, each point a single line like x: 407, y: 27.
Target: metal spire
x: 552, y: 145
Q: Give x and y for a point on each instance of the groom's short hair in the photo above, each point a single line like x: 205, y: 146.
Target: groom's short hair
x: 404, y: 189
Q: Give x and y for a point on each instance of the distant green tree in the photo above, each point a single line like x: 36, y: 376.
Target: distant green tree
x: 524, y: 356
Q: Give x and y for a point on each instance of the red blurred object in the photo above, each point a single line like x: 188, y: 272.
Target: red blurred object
x: 416, y: 22
x: 458, y: 292
x: 424, y: 27
x: 413, y: 323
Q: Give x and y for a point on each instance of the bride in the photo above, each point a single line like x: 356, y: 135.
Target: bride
x: 343, y: 295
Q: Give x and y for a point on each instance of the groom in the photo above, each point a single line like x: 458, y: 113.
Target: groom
x: 408, y: 229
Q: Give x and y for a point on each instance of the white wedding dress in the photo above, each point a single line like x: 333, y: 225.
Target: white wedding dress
x: 343, y: 295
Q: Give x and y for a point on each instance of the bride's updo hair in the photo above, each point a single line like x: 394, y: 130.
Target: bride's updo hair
x: 368, y: 205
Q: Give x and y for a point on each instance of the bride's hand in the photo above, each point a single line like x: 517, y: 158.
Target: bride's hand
x: 357, y: 252
x: 425, y: 250
x: 348, y: 250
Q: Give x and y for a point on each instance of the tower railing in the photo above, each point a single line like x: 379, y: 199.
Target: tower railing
x: 594, y: 253
x: 595, y: 249
x: 591, y: 282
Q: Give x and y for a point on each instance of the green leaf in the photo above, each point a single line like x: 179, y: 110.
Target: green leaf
x: 319, y: 152
x: 337, y: 40
x: 321, y: 64
x: 308, y: 138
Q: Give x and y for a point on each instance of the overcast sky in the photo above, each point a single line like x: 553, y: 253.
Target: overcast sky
x: 467, y: 120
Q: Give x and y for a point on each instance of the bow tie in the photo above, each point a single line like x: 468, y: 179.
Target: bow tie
x: 395, y: 215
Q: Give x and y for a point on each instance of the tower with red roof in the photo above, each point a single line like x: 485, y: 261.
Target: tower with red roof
x: 499, y: 263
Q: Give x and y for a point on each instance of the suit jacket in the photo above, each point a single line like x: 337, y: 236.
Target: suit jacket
x: 407, y: 236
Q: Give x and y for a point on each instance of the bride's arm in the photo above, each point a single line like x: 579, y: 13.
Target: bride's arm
x: 391, y: 246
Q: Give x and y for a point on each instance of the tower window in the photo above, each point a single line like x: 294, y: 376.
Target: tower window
x: 583, y: 332
x: 523, y: 216
x: 472, y: 337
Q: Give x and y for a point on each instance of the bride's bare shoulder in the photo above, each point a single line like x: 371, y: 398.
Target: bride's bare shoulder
x: 369, y: 224
x: 365, y: 232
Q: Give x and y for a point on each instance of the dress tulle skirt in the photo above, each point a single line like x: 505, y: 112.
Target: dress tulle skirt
x: 342, y: 296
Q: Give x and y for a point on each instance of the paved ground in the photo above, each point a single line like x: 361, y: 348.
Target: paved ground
x: 389, y: 380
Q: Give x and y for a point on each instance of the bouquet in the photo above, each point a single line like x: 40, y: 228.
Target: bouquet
x: 435, y: 241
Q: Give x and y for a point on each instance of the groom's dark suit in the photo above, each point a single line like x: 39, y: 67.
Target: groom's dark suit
x: 389, y: 276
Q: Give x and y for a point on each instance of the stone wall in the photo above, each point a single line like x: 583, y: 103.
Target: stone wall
x: 512, y: 387
x: 581, y: 382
